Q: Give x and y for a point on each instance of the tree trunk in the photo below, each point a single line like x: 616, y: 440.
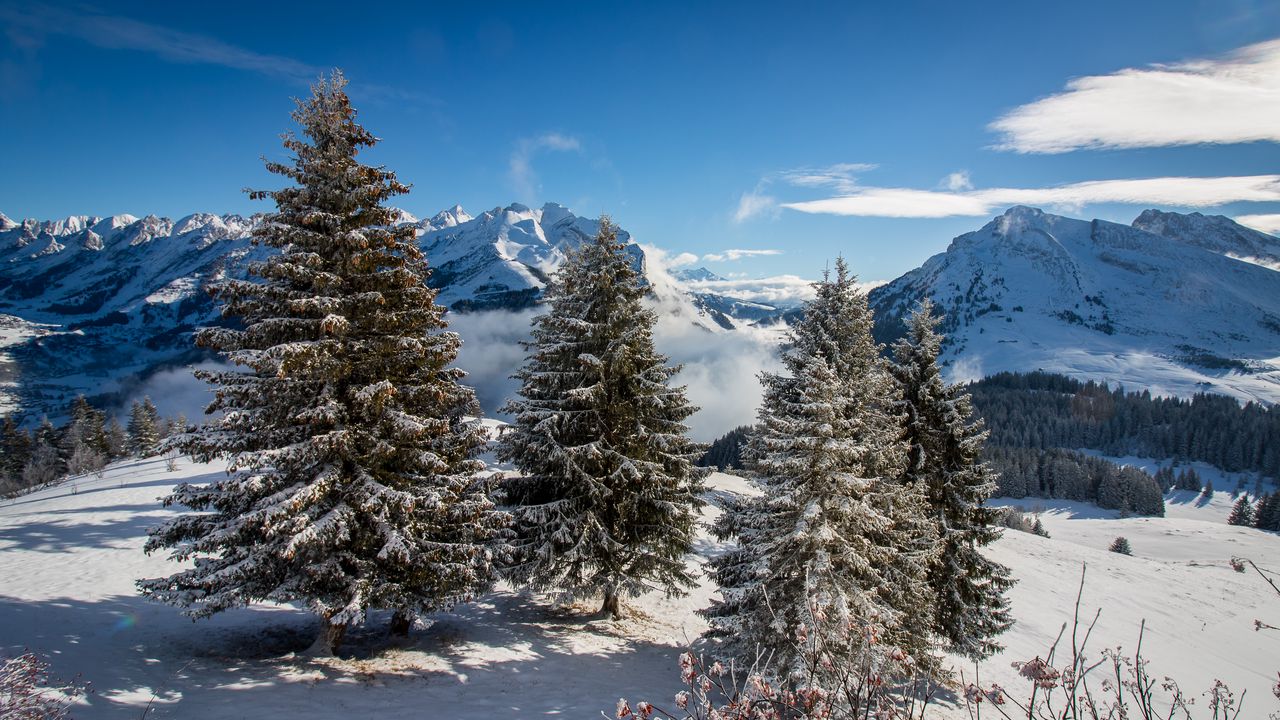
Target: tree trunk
x: 401, y: 621
x: 328, y: 641
x: 612, y: 603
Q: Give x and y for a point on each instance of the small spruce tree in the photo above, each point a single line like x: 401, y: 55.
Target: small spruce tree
x: 143, y: 433
x: 1037, y: 528
x: 1121, y: 545
x: 86, y: 428
x: 607, y: 500
x: 117, y: 440
x: 15, y: 444
x: 351, y: 484
x: 1241, y: 512
x: 944, y: 459
x: 835, y: 540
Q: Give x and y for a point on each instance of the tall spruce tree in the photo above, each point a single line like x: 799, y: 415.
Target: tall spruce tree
x: 351, y: 477
x: 944, y: 459
x: 835, y: 540
x: 608, y: 497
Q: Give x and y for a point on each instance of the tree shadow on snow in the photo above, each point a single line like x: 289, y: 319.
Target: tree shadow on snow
x: 504, y: 655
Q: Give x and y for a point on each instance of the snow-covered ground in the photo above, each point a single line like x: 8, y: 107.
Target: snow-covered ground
x: 69, y: 556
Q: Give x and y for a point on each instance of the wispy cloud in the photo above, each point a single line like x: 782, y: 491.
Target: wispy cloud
x: 113, y: 32
x: 520, y: 171
x: 1235, y: 99
x: 682, y: 260
x: 27, y: 25
x: 754, y: 204
x: 957, y: 181
x: 840, y: 177
x: 1269, y: 224
x: 1190, y: 192
x: 735, y: 254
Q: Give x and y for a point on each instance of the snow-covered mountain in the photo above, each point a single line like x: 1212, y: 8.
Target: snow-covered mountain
x: 503, y: 257
x: 698, y: 274
x: 1165, y: 304
x: 96, y: 305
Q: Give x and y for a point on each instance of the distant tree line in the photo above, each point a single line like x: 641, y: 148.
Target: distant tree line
x: 725, y: 453
x: 83, y: 445
x: 1262, y: 512
x: 1043, y: 410
x: 1070, y: 475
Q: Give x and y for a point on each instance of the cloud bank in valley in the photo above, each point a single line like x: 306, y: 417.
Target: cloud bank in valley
x: 719, y: 368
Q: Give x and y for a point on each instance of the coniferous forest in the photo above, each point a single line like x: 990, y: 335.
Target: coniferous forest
x: 1042, y: 410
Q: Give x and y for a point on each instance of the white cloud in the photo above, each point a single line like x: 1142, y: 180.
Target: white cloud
x: 1167, y: 191
x: 720, y: 371
x: 894, y: 202
x: 176, y: 391
x: 735, y: 254
x: 1269, y: 224
x: 1235, y: 99
x: 491, y: 352
x: 841, y: 176
x: 520, y: 166
x: 753, y: 204
x: 681, y: 260
x: 957, y: 181
x: 776, y: 290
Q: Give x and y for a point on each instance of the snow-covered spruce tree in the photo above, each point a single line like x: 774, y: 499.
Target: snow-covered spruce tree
x: 143, y: 431
x: 1121, y: 545
x: 834, y: 528
x: 1037, y: 528
x: 944, y: 459
x: 86, y: 428
x: 608, y: 496
x: 15, y: 449
x: 1242, y: 512
x: 351, y: 467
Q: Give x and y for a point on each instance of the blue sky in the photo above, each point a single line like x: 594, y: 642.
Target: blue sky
x: 804, y: 130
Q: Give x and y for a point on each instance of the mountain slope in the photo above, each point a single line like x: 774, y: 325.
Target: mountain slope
x: 96, y: 305
x: 1172, y: 312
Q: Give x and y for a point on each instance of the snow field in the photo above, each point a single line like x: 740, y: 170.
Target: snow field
x: 69, y: 555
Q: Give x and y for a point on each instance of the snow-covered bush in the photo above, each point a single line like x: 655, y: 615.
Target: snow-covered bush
x: 1121, y: 545
x: 27, y: 691
x: 845, y: 670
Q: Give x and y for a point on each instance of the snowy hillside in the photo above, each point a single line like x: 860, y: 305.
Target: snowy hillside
x: 69, y: 555
x: 1162, y: 305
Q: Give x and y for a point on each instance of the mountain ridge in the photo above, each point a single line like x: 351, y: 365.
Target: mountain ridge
x: 1101, y: 300
x: 93, y: 304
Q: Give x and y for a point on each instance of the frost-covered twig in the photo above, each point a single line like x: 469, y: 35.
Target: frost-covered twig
x: 1062, y: 691
x: 27, y: 691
